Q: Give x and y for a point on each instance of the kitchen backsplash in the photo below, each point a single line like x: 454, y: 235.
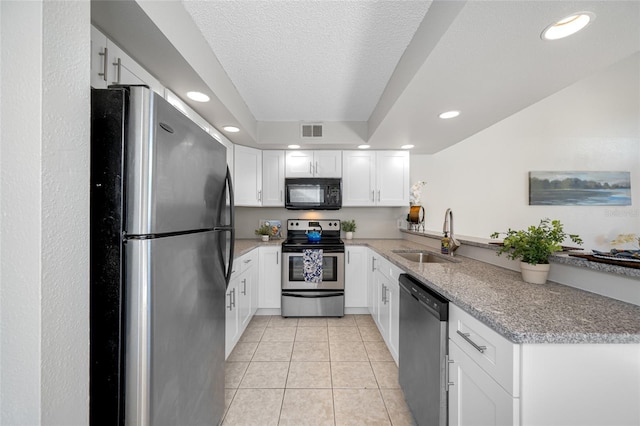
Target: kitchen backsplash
x: 378, y: 222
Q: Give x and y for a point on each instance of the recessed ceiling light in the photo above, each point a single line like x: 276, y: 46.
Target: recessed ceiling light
x: 449, y: 114
x: 364, y: 146
x: 231, y: 129
x: 198, y: 96
x: 294, y: 146
x: 567, y: 26
x: 409, y: 146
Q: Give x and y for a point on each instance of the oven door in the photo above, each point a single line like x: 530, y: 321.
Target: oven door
x: 332, y: 272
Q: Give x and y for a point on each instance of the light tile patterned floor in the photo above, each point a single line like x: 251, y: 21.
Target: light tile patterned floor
x: 313, y: 371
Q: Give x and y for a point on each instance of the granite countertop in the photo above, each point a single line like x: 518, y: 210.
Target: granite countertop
x: 244, y: 246
x: 519, y: 311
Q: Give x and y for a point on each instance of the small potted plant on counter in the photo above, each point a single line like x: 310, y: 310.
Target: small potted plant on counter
x: 533, y: 246
x: 349, y: 227
x: 265, y: 231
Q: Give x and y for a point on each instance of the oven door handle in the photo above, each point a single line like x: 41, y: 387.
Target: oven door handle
x: 313, y: 294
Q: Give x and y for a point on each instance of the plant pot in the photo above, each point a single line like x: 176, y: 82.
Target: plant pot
x: 265, y: 238
x: 349, y: 235
x: 535, y: 274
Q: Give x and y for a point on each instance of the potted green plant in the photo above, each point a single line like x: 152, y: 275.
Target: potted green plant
x: 349, y: 227
x: 265, y: 231
x: 533, y: 246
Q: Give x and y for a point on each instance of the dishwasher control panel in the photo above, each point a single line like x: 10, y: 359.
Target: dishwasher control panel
x: 429, y: 298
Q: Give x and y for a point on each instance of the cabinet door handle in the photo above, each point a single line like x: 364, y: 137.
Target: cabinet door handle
x: 247, y: 260
x: 277, y: 257
x: 260, y: 195
x: 244, y: 287
x: 234, y: 297
x: 466, y: 337
x: 373, y: 196
x: 348, y: 257
x: 316, y: 167
x: 378, y: 195
x: 105, y: 65
x: 447, y: 372
x: 384, y: 294
x: 373, y: 264
x: 118, y: 65
x: 230, y: 307
x: 310, y: 168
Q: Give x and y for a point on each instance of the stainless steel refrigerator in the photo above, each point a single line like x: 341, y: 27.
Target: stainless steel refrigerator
x: 161, y: 256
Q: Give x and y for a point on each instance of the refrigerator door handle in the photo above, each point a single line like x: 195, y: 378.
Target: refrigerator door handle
x: 232, y: 219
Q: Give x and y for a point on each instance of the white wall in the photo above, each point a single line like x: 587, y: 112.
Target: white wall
x: 44, y: 232
x: 371, y: 222
x: 592, y: 125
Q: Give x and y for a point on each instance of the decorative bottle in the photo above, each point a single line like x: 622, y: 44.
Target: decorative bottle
x: 444, y: 244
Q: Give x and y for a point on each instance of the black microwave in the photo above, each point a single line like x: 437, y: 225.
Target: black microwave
x: 313, y: 193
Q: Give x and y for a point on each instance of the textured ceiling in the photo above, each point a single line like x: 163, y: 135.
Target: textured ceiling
x: 308, y: 60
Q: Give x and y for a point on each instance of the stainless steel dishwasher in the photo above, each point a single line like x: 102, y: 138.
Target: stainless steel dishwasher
x: 422, y: 352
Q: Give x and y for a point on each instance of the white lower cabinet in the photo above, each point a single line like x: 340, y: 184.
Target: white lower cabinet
x: 270, y: 273
x: 240, y: 303
x: 475, y: 398
x: 497, y: 382
x: 483, y: 373
x: 232, y: 323
x: 355, y: 277
x: 384, y: 306
x: 247, y: 286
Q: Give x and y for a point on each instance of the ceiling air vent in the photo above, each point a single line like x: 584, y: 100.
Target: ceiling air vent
x: 311, y: 130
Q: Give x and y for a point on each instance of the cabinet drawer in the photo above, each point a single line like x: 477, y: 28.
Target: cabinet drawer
x: 244, y: 262
x: 492, y: 352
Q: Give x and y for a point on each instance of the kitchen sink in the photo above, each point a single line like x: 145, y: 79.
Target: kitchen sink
x: 422, y: 256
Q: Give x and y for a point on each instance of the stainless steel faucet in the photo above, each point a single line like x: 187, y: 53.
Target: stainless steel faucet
x: 447, y: 228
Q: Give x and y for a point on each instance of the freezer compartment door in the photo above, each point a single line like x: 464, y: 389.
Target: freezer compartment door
x: 174, y: 171
x: 175, y: 330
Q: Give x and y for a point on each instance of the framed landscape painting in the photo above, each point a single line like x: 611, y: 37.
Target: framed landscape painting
x: 579, y: 188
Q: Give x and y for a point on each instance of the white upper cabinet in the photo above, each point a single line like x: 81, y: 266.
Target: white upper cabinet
x: 375, y: 178
x: 313, y: 164
x: 111, y: 65
x: 392, y: 178
x: 99, y: 59
x: 273, y: 178
x: 358, y: 178
x: 247, y: 176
